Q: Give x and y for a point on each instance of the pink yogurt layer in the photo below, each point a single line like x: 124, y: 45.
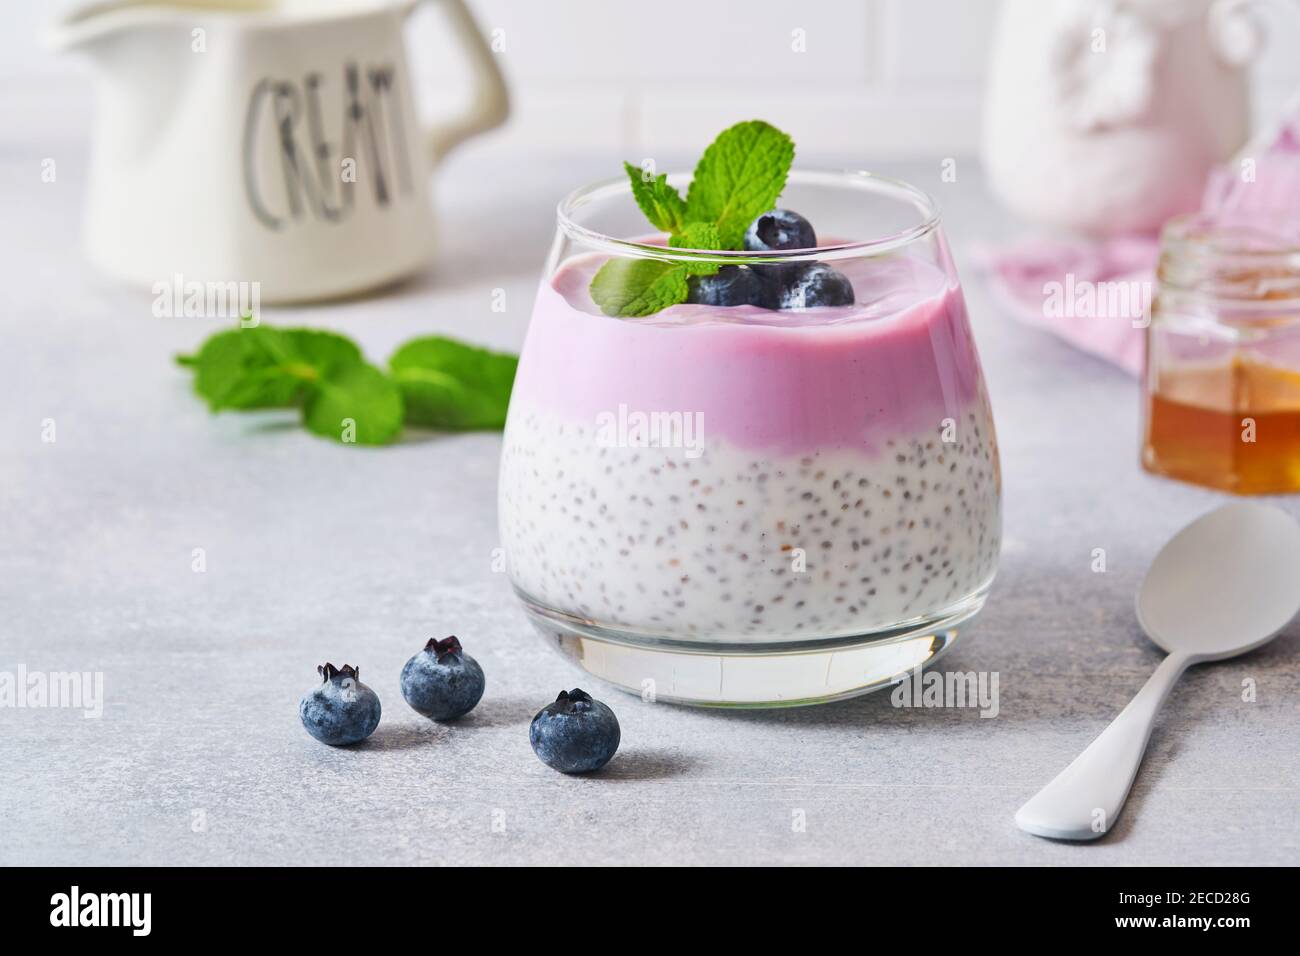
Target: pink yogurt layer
x: 894, y: 364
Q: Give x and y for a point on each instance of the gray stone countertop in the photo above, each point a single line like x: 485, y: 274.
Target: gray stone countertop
x: 316, y: 551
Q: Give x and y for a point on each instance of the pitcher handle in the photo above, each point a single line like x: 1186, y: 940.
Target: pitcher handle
x: 490, y: 102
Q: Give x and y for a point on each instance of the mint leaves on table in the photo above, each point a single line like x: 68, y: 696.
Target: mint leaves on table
x: 739, y: 177
x: 447, y: 384
x: 353, y: 403
x: 262, y: 367
x: 434, y: 382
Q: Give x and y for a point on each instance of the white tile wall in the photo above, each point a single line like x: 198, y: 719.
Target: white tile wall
x: 640, y: 45
x: 877, y: 79
x: 935, y: 43
x: 830, y: 71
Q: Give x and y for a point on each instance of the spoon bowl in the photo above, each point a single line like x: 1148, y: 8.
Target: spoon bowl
x: 1225, y: 584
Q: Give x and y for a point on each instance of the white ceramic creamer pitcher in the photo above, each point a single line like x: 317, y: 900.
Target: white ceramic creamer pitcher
x: 273, y: 142
x: 1105, y: 116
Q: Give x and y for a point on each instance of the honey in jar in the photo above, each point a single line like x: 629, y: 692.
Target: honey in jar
x: 1222, y: 383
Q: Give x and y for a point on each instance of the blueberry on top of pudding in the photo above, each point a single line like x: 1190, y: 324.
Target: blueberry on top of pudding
x: 807, y: 285
x: 732, y: 285
x: 780, y: 230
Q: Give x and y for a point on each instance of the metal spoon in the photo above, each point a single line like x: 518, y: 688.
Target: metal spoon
x: 1224, y: 585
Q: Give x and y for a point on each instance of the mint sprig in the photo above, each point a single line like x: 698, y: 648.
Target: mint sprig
x: 435, y: 382
x: 698, y: 235
x: 661, y: 203
x: 637, y: 287
x: 739, y: 177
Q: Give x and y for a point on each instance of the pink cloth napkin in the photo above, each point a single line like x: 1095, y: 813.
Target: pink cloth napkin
x: 1261, y: 187
x: 1047, y: 282
x: 1265, y: 179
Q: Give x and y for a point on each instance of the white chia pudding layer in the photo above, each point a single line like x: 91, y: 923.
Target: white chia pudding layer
x: 724, y: 544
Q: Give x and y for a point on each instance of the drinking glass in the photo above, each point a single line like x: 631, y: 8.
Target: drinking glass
x: 747, y: 506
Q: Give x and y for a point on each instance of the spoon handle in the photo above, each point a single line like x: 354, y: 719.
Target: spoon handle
x: 1085, y: 798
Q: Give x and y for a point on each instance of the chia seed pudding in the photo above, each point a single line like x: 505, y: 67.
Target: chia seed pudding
x: 736, y: 474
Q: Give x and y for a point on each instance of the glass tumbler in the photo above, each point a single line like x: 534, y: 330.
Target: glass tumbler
x: 748, y: 506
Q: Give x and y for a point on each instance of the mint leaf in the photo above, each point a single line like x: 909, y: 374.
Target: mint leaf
x: 218, y: 362
x: 661, y: 203
x: 264, y: 367
x: 354, y: 403
x: 638, y: 287
x: 240, y: 370
x: 698, y: 235
x: 320, y: 349
x: 739, y: 177
x: 450, y: 385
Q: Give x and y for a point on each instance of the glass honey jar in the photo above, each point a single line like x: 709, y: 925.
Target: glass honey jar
x: 1221, y: 390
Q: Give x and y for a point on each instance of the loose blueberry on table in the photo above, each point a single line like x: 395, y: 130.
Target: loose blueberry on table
x: 442, y: 682
x: 801, y: 285
x: 576, y: 734
x: 342, y: 710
